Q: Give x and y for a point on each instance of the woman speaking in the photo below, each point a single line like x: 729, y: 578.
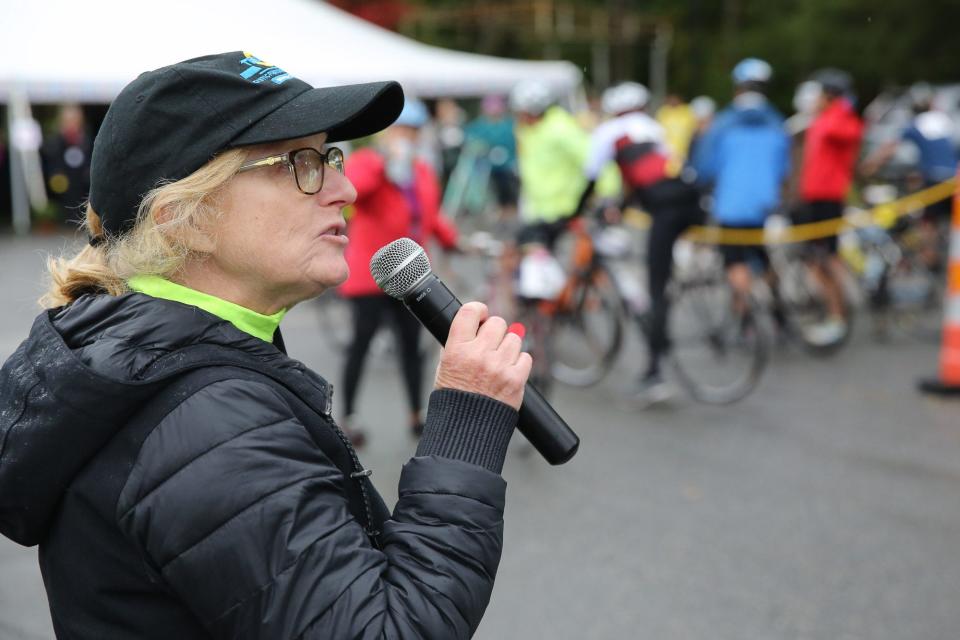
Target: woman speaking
x: 182, y: 475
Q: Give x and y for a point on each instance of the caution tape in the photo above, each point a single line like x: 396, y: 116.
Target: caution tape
x: 883, y: 215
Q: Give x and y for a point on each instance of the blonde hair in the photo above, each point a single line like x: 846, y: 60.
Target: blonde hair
x: 158, y: 244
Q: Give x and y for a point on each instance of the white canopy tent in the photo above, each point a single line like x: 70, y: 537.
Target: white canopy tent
x: 86, y: 51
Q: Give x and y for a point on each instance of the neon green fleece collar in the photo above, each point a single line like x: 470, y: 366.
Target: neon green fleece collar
x: 247, y: 320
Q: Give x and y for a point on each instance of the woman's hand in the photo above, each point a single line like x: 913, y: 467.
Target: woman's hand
x: 481, y: 356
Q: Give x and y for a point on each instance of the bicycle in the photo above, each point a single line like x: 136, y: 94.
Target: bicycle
x: 798, y: 298
x: 590, y: 312
x: 469, y: 197
x: 718, y: 353
x: 904, y: 293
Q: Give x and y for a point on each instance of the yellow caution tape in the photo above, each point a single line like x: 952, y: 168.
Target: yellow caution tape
x: 884, y: 215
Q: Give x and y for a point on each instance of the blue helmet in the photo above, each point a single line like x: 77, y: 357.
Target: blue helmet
x: 752, y: 71
x: 414, y: 114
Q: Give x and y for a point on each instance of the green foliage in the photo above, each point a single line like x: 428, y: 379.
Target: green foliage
x: 881, y: 42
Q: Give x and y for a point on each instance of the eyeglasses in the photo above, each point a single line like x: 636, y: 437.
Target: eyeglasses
x: 307, y: 165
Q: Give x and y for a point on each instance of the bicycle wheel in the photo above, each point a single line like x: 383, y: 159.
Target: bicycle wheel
x: 468, y: 197
x: 718, y: 355
x: 537, y: 342
x: 588, y: 330
x: 914, y: 299
x: 805, y: 307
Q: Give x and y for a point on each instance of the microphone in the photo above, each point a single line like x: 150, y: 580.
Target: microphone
x: 402, y: 270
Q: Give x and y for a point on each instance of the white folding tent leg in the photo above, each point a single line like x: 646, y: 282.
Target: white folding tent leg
x: 26, y: 174
x: 18, y: 186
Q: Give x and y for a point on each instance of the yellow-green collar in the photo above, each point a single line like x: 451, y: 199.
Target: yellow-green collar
x: 247, y: 320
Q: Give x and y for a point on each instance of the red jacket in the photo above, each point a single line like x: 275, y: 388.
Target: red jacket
x: 384, y: 213
x: 830, y: 153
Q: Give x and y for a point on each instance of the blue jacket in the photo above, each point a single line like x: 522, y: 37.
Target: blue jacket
x: 745, y: 155
x: 932, y: 132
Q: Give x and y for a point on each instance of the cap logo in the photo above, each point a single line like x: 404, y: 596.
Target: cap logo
x: 258, y: 71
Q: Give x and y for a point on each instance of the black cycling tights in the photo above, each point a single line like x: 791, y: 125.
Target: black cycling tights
x: 666, y: 227
x: 369, y: 313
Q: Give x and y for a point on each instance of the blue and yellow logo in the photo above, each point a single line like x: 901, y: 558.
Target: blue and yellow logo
x: 258, y: 71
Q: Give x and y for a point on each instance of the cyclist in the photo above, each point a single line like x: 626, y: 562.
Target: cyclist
x: 831, y: 145
x: 638, y: 144
x: 932, y: 132
x: 745, y: 157
x: 551, y: 148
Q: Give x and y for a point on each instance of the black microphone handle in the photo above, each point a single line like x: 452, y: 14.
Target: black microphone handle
x: 435, y: 306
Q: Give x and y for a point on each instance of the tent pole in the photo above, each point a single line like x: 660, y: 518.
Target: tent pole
x: 659, y: 54
x: 18, y: 183
x: 27, y: 139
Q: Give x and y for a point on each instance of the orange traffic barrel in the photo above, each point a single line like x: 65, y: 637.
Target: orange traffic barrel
x: 948, y: 381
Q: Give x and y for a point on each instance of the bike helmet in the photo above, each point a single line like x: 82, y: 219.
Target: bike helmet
x: 414, y: 114
x: 752, y: 71
x: 703, y: 107
x: 531, y: 96
x: 834, y: 82
x: 806, y: 96
x: 921, y: 96
x: 624, y: 97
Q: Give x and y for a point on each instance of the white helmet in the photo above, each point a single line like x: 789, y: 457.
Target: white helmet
x: 703, y: 107
x: 624, y: 97
x: 531, y: 96
x: 806, y: 96
x: 921, y: 95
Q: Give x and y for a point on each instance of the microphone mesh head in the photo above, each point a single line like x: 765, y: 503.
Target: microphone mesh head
x: 398, y: 266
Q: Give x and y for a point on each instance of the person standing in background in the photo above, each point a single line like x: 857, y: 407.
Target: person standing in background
x: 551, y: 151
x: 933, y: 133
x: 831, y: 146
x: 703, y: 108
x: 449, y: 119
x: 745, y: 157
x: 398, y: 195
x: 493, y: 129
x: 806, y: 99
x: 66, y: 160
x: 679, y: 123
x: 638, y: 145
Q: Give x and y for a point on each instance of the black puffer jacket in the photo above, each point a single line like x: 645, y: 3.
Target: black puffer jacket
x: 172, y: 501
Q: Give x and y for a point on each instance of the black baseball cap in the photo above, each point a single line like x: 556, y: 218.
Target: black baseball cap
x: 834, y: 81
x: 168, y: 123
